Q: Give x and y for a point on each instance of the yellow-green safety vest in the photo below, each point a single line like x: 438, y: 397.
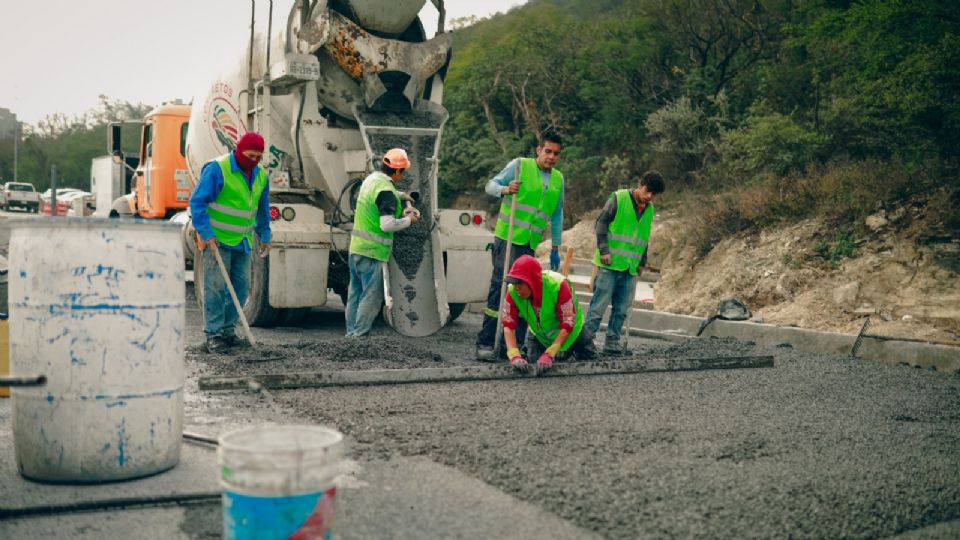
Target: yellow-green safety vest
x: 233, y: 214
x: 628, y: 237
x: 547, y: 326
x: 367, y: 238
x: 534, y: 205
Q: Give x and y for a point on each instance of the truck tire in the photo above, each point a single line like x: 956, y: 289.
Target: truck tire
x: 258, y: 310
x: 455, y: 311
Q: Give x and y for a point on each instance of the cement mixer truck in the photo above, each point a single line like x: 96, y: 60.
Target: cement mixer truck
x: 331, y: 87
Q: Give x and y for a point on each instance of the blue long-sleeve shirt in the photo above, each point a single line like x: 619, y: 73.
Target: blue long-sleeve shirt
x: 504, y: 177
x: 207, y: 190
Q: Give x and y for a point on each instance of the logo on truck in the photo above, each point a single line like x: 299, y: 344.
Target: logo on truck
x: 224, y: 122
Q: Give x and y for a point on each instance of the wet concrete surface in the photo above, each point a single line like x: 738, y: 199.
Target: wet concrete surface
x: 817, y: 447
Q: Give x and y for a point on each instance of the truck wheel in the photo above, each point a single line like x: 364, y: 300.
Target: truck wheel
x: 258, y: 310
x: 455, y: 311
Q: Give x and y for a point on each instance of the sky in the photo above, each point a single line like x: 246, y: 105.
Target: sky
x: 59, y: 55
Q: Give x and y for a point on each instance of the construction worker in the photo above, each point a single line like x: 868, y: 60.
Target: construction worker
x: 229, y: 204
x: 538, y: 186
x: 549, y: 305
x: 379, y: 214
x: 623, y: 233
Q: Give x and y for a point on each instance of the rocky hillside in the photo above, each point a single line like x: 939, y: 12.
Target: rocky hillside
x: 898, y: 270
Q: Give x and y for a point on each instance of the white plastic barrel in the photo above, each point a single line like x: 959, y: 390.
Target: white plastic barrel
x: 279, y: 481
x: 97, y: 306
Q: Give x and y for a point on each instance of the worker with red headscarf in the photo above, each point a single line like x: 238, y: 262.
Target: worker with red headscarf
x: 547, y: 302
x: 230, y: 203
x: 379, y: 214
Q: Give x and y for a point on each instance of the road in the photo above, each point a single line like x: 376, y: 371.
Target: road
x: 815, y: 447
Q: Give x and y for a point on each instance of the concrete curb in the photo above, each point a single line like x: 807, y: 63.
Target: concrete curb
x: 923, y: 355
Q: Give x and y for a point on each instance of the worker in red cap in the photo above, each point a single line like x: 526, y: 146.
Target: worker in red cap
x: 380, y: 213
x: 230, y: 203
x: 548, y: 304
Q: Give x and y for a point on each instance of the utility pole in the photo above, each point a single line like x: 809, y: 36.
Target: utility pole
x: 53, y: 190
x: 16, y: 140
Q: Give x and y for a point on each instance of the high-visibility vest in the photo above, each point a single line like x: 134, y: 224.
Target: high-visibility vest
x: 546, y: 327
x: 233, y: 214
x: 534, y: 205
x: 628, y: 237
x: 367, y: 238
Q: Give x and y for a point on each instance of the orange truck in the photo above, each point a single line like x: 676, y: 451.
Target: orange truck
x: 161, y: 182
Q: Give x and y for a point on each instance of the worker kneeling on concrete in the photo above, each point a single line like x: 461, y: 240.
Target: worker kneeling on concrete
x: 229, y: 204
x: 548, y: 304
x: 379, y: 214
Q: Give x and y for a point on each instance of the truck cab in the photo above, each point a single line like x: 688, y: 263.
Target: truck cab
x: 162, y: 184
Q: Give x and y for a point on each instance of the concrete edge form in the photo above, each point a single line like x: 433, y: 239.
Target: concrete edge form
x: 475, y: 373
x: 941, y: 357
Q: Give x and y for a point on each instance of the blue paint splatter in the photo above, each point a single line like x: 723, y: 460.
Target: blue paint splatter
x: 23, y: 274
x: 121, y: 445
x: 50, y: 398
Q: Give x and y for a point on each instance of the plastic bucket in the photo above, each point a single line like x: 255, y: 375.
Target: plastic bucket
x: 97, y: 306
x: 279, y: 481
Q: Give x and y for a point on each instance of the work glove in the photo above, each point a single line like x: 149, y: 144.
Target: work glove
x: 412, y: 213
x: 544, y: 363
x: 554, y: 259
x: 517, y: 361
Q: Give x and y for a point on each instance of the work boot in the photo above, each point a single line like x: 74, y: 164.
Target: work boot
x: 232, y: 340
x: 613, y: 348
x: 484, y: 353
x: 215, y: 345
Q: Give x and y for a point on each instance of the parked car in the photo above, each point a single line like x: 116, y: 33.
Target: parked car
x: 20, y: 195
x: 65, y: 198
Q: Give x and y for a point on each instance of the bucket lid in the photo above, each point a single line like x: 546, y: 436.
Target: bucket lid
x: 317, y: 445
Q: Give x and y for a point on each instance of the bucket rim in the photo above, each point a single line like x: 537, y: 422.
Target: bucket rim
x: 87, y: 223
x: 327, y: 439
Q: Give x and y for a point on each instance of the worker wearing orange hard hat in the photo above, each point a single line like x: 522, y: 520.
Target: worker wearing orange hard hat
x: 379, y: 214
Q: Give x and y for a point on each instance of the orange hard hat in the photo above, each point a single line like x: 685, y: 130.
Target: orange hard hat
x: 396, y: 158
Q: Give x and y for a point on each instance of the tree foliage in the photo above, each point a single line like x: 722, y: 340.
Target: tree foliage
x: 717, y: 94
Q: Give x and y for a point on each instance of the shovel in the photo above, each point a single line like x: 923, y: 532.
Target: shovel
x: 233, y: 295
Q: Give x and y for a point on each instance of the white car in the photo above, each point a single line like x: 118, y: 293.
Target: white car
x: 20, y: 195
x: 65, y: 198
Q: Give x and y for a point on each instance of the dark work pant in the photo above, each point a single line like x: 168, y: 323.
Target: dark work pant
x: 489, y: 330
x: 582, y: 348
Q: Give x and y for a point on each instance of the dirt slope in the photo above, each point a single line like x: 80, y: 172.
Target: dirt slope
x: 903, y: 273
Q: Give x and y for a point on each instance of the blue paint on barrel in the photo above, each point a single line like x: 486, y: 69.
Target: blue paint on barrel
x: 103, y: 319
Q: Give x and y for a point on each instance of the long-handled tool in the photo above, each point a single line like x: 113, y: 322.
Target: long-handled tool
x: 625, y: 345
x: 506, y: 268
x: 233, y: 294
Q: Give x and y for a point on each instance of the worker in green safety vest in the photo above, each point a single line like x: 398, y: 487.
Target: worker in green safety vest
x: 538, y: 187
x: 229, y: 205
x: 547, y: 302
x: 379, y: 214
x: 623, y: 237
